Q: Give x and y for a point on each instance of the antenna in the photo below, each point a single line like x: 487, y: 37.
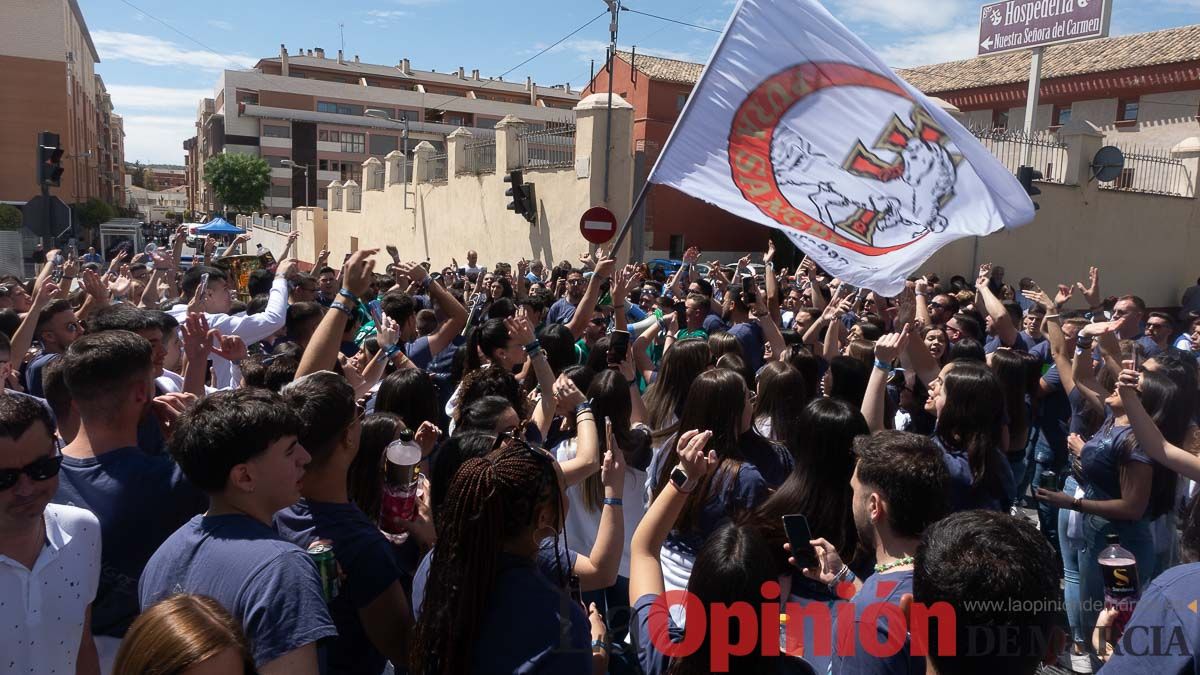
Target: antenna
x: 342, y: 35
x: 1107, y: 164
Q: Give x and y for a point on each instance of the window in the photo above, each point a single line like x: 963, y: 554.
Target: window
x: 276, y: 131
x: 999, y: 119
x: 1062, y: 115
x: 274, y: 162
x: 346, y: 170
x: 382, y: 145
x: 352, y: 142
x: 485, y: 122
x: 339, y: 108
x: 250, y: 97
x: 680, y: 101
x: 458, y: 119
x: 292, y: 73
x: 675, y: 246
x: 1127, y: 110
x: 281, y: 190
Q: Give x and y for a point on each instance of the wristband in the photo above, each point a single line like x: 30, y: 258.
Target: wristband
x: 342, y: 307
x: 532, y: 347
x: 599, y: 645
x: 1077, y: 504
x: 345, y: 293
x: 885, y: 367
x: 586, y: 406
x: 391, y: 350
x: 612, y: 501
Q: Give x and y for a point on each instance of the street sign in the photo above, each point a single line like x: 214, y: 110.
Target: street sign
x: 598, y: 225
x: 1023, y: 24
x: 43, y: 221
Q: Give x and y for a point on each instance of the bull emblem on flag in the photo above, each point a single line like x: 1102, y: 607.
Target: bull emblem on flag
x: 908, y: 192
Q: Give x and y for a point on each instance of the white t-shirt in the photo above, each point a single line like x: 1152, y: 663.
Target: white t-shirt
x: 44, y: 607
x: 582, y: 524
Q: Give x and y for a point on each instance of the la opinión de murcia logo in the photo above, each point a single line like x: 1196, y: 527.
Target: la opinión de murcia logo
x: 910, y: 168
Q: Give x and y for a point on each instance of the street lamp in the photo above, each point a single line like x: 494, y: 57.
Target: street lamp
x: 304, y: 167
x: 403, y: 122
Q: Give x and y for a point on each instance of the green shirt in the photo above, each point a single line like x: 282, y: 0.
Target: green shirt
x: 684, y: 334
x: 582, y: 352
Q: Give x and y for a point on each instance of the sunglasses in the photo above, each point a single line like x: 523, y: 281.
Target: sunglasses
x: 936, y: 305
x: 39, y: 470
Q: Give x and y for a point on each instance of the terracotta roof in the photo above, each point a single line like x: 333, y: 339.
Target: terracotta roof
x: 1160, y: 47
x: 668, y: 70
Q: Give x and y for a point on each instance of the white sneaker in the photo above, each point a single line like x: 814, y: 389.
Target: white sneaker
x: 1076, y: 663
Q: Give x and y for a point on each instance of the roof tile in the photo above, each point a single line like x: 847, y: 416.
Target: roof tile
x: 668, y: 70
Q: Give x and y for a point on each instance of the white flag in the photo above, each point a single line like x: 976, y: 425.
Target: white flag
x: 796, y: 124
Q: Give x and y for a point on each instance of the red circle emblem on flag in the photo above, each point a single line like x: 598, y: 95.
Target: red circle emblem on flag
x: 845, y: 219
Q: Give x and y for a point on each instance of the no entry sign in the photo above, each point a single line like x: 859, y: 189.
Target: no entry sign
x: 598, y: 225
x: 1023, y: 24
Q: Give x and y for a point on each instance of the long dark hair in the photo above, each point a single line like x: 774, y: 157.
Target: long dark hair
x: 715, y: 403
x: 411, y: 394
x: 490, y: 500
x: 1171, y: 406
x: 491, y: 382
x: 1014, y: 371
x: 609, y: 394
x: 819, y: 484
x: 485, y: 339
x: 782, y: 391
x: 970, y: 422
x: 680, y: 366
x: 730, y: 568
x: 364, y: 480
x: 848, y: 379
x: 802, y: 359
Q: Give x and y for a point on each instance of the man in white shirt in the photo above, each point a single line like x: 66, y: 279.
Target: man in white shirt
x: 215, y: 304
x: 49, y: 554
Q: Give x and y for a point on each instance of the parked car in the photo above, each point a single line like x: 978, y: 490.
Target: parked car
x: 758, y: 269
x: 669, y: 266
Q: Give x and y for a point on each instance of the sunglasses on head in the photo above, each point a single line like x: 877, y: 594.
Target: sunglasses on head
x: 39, y: 470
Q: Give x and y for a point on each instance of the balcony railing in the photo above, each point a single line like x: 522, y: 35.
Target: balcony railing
x: 1153, y: 172
x: 549, y: 148
x: 1046, y: 153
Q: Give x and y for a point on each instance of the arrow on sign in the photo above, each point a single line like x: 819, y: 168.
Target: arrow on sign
x: 986, y: 44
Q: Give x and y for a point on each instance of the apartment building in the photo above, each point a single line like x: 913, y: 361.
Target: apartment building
x: 165, y: 178
x: 47, y: 54
x: 306, y: 113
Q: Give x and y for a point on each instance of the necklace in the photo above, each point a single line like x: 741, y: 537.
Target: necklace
x: 883, y: 567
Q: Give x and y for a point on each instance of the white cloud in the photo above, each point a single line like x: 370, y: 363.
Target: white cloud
x: 157, y: 138
x: 153, y: 51
x: 144, y: 97
x: 926, y: 14
x: 383, y: 17
x: 223, y: 25
x: 948, y: 45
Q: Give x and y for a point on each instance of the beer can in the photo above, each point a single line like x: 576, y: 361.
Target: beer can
x: 1048, y: 481
x: 321, y: 553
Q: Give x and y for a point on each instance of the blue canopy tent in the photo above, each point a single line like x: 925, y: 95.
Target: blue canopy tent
x: 219, y: 225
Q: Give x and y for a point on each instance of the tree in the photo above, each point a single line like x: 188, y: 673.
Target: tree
x: 10, y: 218
x: 148, y: 179
x: 239, y: 181
x: 171, y: 216
x: 94, y: 212
x: 136, y: 171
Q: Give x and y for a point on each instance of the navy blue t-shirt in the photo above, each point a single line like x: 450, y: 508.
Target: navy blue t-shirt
x: 713, y: 324
x: 854, y: 659
x: 140, y: 500
x: 1163, y: 635
x: 750, y: 336
x: 418, y: 352
x: 33, y: 374
x: 772, y: 460
x: 733, y: 491
x: 1023, y: 343
x: 367, y: 565
x: 964, y: 495
x: 268, y: 584
x: 561, y: 311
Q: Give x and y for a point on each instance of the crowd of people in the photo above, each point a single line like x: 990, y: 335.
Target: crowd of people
x: 196, y: 476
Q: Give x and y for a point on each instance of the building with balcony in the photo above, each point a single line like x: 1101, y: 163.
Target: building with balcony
x: 48, y: 65
x: 306, y: 115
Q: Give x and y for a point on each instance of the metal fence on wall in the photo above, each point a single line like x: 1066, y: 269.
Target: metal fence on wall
x: 437, y: 167
x: 1152, y: 171
x: 1047, y: 153
x: 554, y: 147
x: 479, y: 158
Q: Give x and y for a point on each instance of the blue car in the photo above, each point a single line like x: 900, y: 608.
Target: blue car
x: 669, y: 266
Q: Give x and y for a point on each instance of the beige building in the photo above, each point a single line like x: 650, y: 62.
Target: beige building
x: 306, y: 114
x: 48, y: 70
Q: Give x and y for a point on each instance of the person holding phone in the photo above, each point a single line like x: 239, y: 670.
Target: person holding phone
x: 900, y: 486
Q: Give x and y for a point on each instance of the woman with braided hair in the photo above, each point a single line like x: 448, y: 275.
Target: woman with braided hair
x: 488, y: 609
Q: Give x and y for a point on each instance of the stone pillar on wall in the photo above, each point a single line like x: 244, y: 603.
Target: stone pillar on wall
x: 591, y: 118
x: 334, y: 196
x: 369, y: 168
x: 508, y: 148
x: 1083, y: 139
x: 456, y: 150
x: 1188, y: 151
x: 393, y: 168
x: 353, y: 196
x: 422, y: 153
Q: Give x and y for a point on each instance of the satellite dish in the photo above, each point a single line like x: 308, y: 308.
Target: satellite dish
x: 1107, y: 164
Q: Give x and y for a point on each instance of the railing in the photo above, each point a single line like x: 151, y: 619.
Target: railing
x: 1153, y: 172
x: 437, y: 167
x: 554, y: 147
x: 375, y: 178
x: 1046, y: 153
x: 479, y: 158
x: 267, y: 222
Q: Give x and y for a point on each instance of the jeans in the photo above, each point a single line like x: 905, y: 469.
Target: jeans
x: 1136, y: 537
x: 1072, y: 550
x: 1047, y: 456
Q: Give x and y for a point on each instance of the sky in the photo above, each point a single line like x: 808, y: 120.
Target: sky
x: 160, y: 57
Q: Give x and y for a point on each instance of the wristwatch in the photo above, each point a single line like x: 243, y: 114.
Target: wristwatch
x: 681, y: 480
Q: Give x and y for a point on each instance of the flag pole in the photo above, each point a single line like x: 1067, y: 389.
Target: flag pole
x: 633, y: 212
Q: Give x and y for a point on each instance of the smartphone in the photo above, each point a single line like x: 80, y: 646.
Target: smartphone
x: 394, y: 252
x: 796, y: 527
x: 748, y: 289
x: 347, y: 258
x: 618, y: 347
x: 575, y: 589
x: 202, y: 289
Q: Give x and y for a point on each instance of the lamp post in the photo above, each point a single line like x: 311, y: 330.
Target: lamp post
x: 304, y: 167
x: 403, y: 122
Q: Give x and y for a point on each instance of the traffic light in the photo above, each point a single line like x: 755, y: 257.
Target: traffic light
x: 1026, y: 175
x: 50, y: 168
x: 524, y: 198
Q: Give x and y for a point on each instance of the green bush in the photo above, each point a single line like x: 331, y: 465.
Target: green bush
x: 10, y: 218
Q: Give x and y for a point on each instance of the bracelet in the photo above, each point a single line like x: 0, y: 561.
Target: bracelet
x: 1051, y: 316
x: 1077, y: 504
x: 345, y: 293
x: 845, y: 574
x: 612, y: 501
x: 533, y: 346
x: 391, y: 350
x: 342, y: 307
x: 599, y: 646
x: 586, y: 406
x: 885, y: 367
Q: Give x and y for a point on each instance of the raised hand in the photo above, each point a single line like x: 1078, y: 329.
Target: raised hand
x: 94, y: 286
x: 889, y: 347
x: 690, y: 449
x: 229, y: 347
x: 1039, y: 296
x: 426, y: 436
x: 197, y: 338
x: 770, y: 254
x: 691, y: 255
x: 519, y: 330
x: 985, y: 275
x: 387, y: 332
x: 612, y: 468
x: 604, y: 268
x: 413, y: 270
x: 828, y: 561
x: 1064, y: 295
x: 358, y: 271
x: 1091, y: 292
x: 567, y: 393
x: 121, y: 285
